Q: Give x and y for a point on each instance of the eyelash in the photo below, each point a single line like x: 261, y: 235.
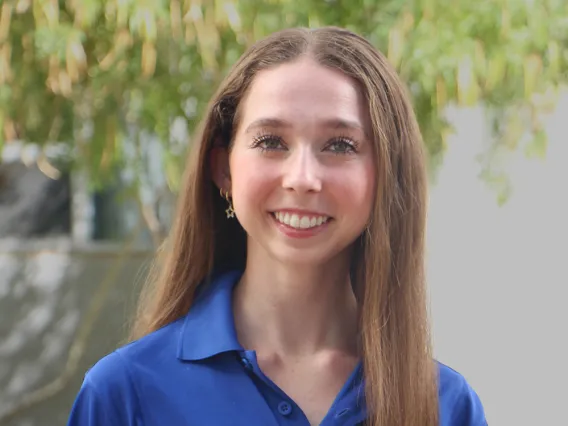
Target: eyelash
x: 264, y: 137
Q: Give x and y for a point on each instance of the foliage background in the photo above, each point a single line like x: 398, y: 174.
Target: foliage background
x: 96, y: 74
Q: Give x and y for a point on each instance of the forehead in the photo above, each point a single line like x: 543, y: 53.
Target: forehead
x: 304, y: 91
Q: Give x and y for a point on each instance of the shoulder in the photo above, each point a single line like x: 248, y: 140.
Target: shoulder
x: 118, y: 366
x: 109, y: 393
x: 459, y: 403
x: 107, y: 396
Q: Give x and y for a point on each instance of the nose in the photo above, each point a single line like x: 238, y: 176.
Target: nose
x: 302, y: 172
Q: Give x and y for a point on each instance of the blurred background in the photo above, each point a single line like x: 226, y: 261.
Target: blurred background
x: 98, y: 102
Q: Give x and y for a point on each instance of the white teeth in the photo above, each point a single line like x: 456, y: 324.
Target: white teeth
x: 305, y: 222
x: 300, y: 222
x: 294, y: 221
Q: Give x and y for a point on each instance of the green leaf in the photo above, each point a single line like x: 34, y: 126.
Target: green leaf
x: 139, y: 64
x: 537, y: 146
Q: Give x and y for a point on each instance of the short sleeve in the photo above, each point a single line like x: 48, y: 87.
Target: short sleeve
x: 469, y: 409
x: 106, y: 397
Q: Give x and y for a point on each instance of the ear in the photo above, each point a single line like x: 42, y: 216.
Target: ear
x: 220, y: 171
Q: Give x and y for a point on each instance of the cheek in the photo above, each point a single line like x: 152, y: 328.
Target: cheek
x: 370, y: 187
x: 355, y: 187
x: 251, y: 180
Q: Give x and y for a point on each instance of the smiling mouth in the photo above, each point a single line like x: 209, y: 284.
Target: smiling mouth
x: 298, y: 221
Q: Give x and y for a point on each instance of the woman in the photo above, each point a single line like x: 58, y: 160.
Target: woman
x: 292, y: 286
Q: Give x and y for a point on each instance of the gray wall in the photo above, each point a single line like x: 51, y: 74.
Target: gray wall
x: 46, y: 287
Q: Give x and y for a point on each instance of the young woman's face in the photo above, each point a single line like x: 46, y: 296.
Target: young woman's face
x: 301, y: 168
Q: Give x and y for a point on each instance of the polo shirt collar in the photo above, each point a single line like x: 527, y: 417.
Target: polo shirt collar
x: 209, y: 326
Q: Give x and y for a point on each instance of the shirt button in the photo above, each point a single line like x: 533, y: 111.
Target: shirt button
x: 246, y: 363
x: 284, y: 408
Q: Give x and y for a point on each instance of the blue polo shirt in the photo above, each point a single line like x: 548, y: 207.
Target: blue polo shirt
x: 194, y: 372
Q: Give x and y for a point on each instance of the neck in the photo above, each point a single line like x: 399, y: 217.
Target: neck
x: 296, y: 310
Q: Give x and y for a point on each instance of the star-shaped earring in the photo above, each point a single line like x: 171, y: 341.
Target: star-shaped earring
x: 229, y: 211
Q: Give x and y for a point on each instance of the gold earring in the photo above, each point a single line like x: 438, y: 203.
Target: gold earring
x: 230, y: 211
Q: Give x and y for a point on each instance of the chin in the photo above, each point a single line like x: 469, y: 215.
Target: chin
x: 299, y: 252
x: 304, y: 257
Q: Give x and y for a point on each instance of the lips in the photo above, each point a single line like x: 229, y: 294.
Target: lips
x: 300, y: 221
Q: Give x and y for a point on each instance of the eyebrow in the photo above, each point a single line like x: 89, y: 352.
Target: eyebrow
x: 277, y: 123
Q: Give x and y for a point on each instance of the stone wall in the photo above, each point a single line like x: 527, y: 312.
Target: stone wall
x: 46, y: 288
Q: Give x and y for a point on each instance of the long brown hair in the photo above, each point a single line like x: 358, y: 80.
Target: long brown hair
x: 388, y: 269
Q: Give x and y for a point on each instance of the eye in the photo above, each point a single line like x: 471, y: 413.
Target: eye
x: 268, y: 143
x: 342, y: 146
